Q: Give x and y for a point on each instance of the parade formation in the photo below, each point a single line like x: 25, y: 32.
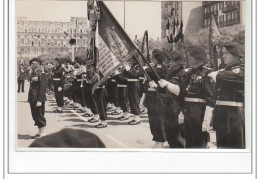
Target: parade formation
x: 183, y: 96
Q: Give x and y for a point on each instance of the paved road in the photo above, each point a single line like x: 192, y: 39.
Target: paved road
x: 118, y: 134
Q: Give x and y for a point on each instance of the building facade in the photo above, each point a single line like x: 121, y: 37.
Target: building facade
x: 36, y: 38
x: 196, y: 15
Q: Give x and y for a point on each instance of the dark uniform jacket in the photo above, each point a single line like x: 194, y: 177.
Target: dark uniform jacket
x: 37, y: 87
x: 59, y: 73
x: 230, y: 84
x: 133, y: 73
x: 196, y: 84
x: 22, y: 74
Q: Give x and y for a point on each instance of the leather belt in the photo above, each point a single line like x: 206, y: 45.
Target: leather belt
x: 113, y: 80
x: 56, y: 79
x: 79, y: 79
x: 195, y: 100
x: 132, y: 79
x: 100, y: 87
x: 141, y: 78
x: 121, y: 86
x: 229, y: 103
x: 151, y: 89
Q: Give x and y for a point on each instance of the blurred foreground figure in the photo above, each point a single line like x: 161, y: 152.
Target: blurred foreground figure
x: 69, y: 138
x: 229, y: 118
x: 37, y: 97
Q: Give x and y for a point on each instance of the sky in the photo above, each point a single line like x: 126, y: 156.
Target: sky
x: 139, y: 16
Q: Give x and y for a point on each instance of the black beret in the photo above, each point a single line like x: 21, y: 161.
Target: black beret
x: 69, y: 138
x: 158, y: 55
x: 58, y: 60
x: 197, y: 52
x: 177, y: 57
x: 235, y: 49
x: 34, y: 60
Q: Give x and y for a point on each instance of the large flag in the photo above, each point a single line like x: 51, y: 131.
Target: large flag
x: 115, y: 47
x: 214, y: 35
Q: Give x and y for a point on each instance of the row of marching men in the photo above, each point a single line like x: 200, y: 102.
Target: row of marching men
x: 182, y: 106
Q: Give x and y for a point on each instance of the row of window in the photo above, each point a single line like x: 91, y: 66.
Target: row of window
x: 228, y: 16
x: 63, y: 36
x: 47, y: 30
x: 219, y: 5
x: 38, y: 51
x: 56, y: 24
x: 42, y: 42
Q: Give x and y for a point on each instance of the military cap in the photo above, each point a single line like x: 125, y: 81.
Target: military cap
x: 34, y: 60
x: 197, y: 52
x: 177, y: 57
x: 235, y: 49
x: 158, y: 55
x: 69, y: 138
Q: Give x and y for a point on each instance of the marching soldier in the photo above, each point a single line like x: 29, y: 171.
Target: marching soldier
x: 152, y: 100
x: 132, y: 74
x: 229, y: 119
x: 120, y: 76
x: 58, y: 82
x: 171, y: 104
x: 37, y: 97
x: 196, y: 96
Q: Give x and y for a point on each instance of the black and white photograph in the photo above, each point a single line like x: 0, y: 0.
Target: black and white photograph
x: 149, y: 77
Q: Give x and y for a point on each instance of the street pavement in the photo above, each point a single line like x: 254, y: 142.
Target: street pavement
x: 118, y: 134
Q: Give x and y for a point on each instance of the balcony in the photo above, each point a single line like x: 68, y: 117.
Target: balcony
x: 207, y: 3
x: 209, y: 14
x: 230, y: 8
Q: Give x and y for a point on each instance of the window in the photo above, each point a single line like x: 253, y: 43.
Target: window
x: 22, y: 41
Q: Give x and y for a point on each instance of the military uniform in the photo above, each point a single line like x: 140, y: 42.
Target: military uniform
x: 172, y: 108
x: 197, y: 93
x: 21, y: 79
x: 58, y: 82
x: 37, y: 93
x: 122, y: 91
x: 111, y: 88
x: 154, y: 104
x: 229, y: 119
x: 133, y: 89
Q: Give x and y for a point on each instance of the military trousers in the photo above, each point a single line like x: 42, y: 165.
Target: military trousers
x: 38, y: 114
x: 59, y: 95
x: 112, y: 94
x: 193, y: 118
x: 20, y: 85
x: 100, y: 96
x: 122, y: 98
x: 89, y: 98
x: 133, y: 96
x: 155, y: 115
x: 229, y: 123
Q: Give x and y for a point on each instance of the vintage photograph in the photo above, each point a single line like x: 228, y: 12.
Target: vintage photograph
x: 131, y: 74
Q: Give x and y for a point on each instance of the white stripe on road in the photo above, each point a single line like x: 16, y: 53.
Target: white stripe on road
x: 117, y: 141
x: 108, y: 136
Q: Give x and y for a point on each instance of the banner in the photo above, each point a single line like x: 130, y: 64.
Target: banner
x: 115, y: 47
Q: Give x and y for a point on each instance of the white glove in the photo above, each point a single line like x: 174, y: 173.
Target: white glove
x: 116, y: 72
x: 145, y: 67
x: 152, y: 84
x: 127, y: 67
x: 59, y: 88
x: 207, y: 119
x: 213, y: 75
x: 163, y: 83
x: 39, y: 103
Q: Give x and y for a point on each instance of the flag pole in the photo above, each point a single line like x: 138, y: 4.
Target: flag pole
x: 124, y: 14
x: 146, y: 74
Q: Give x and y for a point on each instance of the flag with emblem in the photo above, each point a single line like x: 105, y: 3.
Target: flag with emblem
x: 114, y: 45
x: 214, y: 35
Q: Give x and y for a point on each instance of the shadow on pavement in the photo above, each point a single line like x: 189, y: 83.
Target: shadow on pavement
x: 74, y: 120
x: 117, y: 123
x: 58, y: 113
x: 25, y: 137
x: 83, y: 126
x: 70, y: 115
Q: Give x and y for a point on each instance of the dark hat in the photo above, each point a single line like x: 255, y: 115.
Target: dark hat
x: 69, y: 138
x: 58, y: 60
x: 34, y: 60
x: 197, y: 52
x: 158, y: 55
x: 235, y: 49
x: 177, y: 57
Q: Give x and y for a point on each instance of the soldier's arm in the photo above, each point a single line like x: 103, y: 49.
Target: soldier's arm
x: 62, y: 78
x: 43, y: 86
x: 229, y: 77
